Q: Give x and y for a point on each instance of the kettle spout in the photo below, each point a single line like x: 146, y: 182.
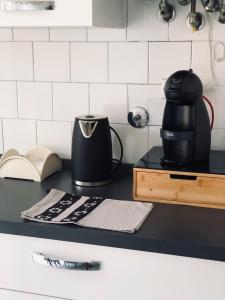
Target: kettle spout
x: 87, y: 128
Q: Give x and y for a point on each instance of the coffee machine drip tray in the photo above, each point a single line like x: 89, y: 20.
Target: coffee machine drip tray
x: 197, y: 184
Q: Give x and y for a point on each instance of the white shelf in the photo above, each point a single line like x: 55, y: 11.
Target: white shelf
x: 64, y: 13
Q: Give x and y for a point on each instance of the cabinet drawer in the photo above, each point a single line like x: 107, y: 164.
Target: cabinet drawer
x: 15, y: 295
x: 125, y: 274
x: 180, y: 188
x: 62, y: 13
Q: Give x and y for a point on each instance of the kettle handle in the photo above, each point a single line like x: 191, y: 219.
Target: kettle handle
x: 118, y: 161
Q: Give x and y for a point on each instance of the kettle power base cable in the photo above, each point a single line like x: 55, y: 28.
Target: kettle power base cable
x: 212, y: 110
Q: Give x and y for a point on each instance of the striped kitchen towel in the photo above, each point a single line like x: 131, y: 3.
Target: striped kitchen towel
x: 59, y: 207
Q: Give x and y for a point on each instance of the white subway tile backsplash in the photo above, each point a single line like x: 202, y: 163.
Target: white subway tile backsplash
x: 135, y: 142
x: 70, y: 100
x: 6, y: 34
x: 30, y: 34
x: 201, y: 62
x: 50, y: 75
x: 218, y: 139
x: 178, y: 30
x: 106, y: 34
x: 16, y: 61
x: 56, y: 136
x: 1, y: 138
x: 51, y: 61
x: 154, y: 136
x: 219, y: 66
x: 89, y: 62
x: 34, y: 100
x: 128, y: 62
x: 143, y: 22
x: 150, y: 98
x: 8, y: 99
x: 216, y: 96
x: 67, y: 34
x: 19, y: 134
x: 110, y: 100
x: 218, y: 29
x: 166, y: 58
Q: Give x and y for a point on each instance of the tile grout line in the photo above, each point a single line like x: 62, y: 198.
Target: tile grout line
x: 13, y: 37
x: 128, y: 99
x: 64, y: 121
x: 17, y: 100
x: 85, y: 82
x: 70, y: 67
x: 148, y: 138
x: 108, y: 62
x: 36, y: 131
x: 39, y: 120
x: 52, y: 100
x: 3, y: 142
x: 33, y: 60
x: 86, y: 34
x: 148, y: 63
x: 168, y: 32
x: 126, y: 18
x: 104, y: 41
x: 89, y: 98
x: 49, y: 35
x: 97, y: 83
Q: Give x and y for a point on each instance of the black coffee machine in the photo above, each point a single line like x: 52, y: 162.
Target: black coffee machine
x: 185, y: 133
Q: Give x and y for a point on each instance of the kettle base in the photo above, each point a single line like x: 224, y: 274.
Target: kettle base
x: 92, y: 184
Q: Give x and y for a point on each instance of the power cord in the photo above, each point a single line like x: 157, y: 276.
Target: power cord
x: 117, y: 162
x: 212, y: 110
x: 210, y: 45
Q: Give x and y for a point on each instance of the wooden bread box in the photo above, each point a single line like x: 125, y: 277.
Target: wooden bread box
x: 200, y: 184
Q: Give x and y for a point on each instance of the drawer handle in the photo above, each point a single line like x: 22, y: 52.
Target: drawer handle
x: 183, y: 177
x: 26, y: 5
x: 61, y: 264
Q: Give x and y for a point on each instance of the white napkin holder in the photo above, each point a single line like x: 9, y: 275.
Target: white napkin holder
x: 37, y: 164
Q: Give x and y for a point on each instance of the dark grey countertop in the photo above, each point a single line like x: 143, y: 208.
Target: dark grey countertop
x: 170, y: 229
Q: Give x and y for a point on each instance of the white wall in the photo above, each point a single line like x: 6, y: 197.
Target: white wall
x: 48, y: 76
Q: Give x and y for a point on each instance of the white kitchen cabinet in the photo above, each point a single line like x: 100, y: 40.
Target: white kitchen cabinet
x: 15, y: 295
x: 69, y: 13
x: 125, y: 274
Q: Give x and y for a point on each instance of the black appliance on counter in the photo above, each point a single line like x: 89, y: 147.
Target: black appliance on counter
x: 185, y: 133
x: 92, y: 160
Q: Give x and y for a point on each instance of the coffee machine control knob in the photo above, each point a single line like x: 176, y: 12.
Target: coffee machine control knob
x: 138, y: 117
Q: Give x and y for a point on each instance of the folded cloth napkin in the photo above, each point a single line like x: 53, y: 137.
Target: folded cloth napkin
x: 97, y: 212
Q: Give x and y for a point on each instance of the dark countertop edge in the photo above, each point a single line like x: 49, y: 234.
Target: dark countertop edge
x: 116, y: 240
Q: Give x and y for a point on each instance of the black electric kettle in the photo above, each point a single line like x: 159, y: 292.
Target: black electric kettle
x: 92, y: 160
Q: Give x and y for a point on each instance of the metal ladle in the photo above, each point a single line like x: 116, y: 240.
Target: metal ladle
x: 166, y: 11
x: 195, y: 20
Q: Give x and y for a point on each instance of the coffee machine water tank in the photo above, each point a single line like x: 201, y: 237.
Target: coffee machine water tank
x: 185, y: 132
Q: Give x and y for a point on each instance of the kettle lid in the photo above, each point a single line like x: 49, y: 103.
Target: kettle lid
x: 88, y: 123
x: 91, y: 117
